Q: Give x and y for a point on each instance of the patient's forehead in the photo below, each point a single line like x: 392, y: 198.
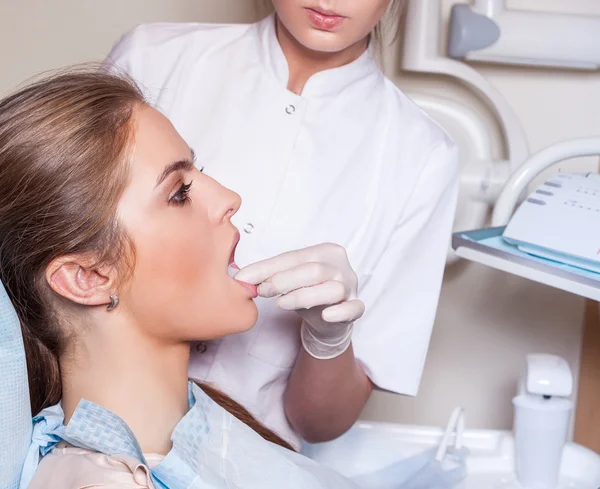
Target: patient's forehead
x: 156, y: 143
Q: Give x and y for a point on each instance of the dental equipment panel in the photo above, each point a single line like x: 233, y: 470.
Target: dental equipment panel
x: 560, y: 221
x: 553, y: 243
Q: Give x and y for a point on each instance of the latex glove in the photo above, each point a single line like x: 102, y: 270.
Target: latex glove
x: 319, y: 284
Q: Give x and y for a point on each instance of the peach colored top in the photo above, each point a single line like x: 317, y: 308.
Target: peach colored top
x: 75, y: 468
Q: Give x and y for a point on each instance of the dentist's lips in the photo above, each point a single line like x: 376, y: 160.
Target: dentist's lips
x: 324, y: 20
x: 233, y: 269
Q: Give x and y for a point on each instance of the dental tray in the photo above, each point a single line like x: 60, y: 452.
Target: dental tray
x: 486, y: 246
x: 370, y: 446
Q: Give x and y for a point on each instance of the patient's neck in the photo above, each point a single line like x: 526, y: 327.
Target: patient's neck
x: 140, y: 379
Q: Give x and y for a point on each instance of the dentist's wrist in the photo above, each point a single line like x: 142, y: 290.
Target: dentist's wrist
x: 325, y: 347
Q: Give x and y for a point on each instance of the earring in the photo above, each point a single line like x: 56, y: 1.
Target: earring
x: 114, y: 302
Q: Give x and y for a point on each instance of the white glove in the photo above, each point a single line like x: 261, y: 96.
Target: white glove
x: 320, y: 285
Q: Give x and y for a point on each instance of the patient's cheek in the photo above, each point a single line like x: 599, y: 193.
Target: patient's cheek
x: 174, y: 262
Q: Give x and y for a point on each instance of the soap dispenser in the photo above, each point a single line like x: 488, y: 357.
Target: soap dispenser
x: 541, y: 423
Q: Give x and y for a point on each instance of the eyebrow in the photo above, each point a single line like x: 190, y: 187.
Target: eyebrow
x: 181, y: 165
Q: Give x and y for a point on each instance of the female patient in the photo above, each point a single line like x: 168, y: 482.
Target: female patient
x: 114, y: 250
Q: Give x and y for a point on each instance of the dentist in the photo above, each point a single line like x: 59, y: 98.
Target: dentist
x: 295, y: 115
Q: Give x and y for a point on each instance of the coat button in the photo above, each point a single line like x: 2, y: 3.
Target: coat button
x: 201, y: 347
x: 290, y: 109
x: 248, y: 228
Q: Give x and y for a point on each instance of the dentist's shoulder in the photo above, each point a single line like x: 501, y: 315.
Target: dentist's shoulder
x: 151, y: 52
x: 418, y: 138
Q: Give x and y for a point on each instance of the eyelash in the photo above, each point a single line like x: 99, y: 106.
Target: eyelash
x: 181, y: 197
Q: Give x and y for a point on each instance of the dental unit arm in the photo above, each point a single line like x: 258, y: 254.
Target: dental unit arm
x: 490, y: 32
x: 483, y: 175
x: 482, y: 180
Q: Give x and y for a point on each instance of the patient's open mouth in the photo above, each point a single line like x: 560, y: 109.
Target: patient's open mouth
x: 236, y: 240
x: 233, y: 269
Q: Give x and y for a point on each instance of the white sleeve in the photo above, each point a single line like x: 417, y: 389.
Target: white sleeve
x: 401, y: 295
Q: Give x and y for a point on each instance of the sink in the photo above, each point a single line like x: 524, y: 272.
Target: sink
x: 370, y: 446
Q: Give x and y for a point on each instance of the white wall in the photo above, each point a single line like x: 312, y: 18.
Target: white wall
x: 487, y: 320
x: 37, y: 35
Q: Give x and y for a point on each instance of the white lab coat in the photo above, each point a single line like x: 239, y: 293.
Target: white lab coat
x: 352, y: 161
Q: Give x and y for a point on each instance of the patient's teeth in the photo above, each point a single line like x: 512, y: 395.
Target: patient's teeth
x: 232, y: 271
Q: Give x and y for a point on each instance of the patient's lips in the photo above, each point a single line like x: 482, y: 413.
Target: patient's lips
x: 232, y: 271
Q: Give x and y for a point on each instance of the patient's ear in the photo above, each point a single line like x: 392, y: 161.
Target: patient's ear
x: 78, y: 279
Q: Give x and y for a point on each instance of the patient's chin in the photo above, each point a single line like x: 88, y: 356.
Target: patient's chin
x: 232, y: 320
x: 248, y: 321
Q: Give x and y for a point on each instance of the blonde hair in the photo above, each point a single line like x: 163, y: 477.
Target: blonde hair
x: 390, y: 20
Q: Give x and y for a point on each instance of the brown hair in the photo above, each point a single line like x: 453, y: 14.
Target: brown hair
x: 243, y: 415
x: 64, y: 148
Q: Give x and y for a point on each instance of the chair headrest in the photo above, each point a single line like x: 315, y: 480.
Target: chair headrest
x: 15, y: 411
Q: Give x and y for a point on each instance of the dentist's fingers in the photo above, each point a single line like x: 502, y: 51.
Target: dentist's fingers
x: 325, y: 294
x: 258, y: 272
x: 305, y: 275
x: 346, y: 312
x: 321, y: 253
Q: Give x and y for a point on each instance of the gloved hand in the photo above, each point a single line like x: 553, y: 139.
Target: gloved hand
x: 319, y: 284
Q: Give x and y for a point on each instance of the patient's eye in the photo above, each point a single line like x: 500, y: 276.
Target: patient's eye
x: 181, y: 197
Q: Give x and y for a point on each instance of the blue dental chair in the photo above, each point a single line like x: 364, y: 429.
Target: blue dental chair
x: 15, y: 410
